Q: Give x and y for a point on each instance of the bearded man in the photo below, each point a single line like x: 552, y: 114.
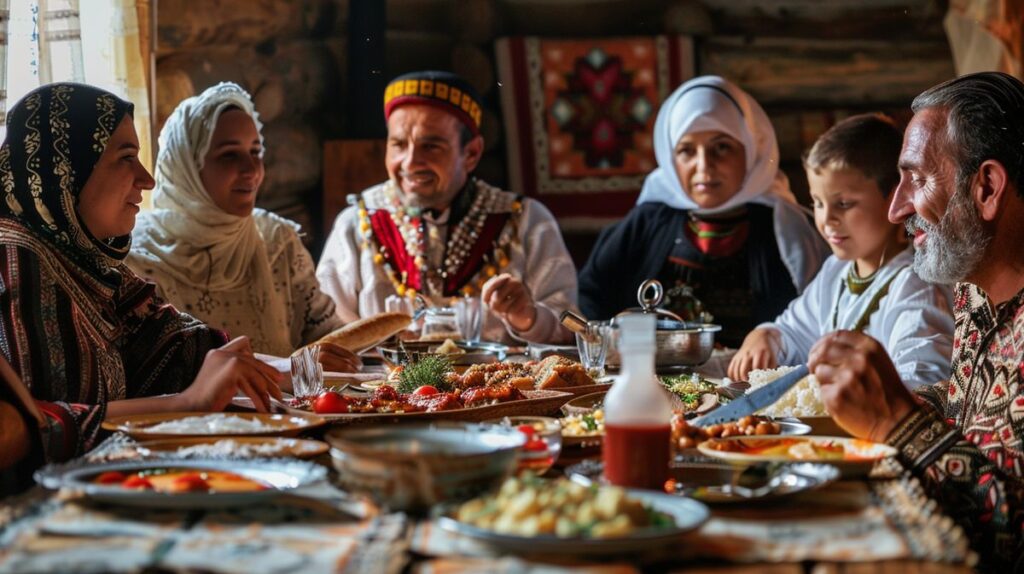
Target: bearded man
x: 960, y: 197
x: 434, y: 230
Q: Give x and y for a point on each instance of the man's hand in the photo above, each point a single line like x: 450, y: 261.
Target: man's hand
x: 339, y: 359
x: 226, y: 371
x: 760, y: 350
x: 508, y: 297
x: 860, y: 385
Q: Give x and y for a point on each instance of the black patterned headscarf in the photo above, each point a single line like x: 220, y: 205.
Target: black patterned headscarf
x: 55, y: 136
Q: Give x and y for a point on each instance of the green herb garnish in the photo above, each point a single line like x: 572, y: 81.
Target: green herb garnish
x: 589, y: 422
x: 688, y: 387
x: 658, y: 519
x: 430, y: 370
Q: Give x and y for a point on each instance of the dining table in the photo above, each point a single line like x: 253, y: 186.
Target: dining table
x: 882, y: 522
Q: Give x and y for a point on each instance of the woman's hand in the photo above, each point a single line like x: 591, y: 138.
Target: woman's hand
x: 340, y: 359
x: 508, y: 297
x: 760, y: 350
x: 226, y: 371
x: 860, y: 385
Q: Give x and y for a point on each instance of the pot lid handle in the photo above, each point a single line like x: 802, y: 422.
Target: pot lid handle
x: 649, y: 295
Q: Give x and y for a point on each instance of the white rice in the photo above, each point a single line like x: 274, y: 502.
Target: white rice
x: 228, y: 447
x: 803, y: 400
x: 211, y: 424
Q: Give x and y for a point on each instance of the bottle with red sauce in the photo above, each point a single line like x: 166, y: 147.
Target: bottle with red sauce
x: 637, y: 414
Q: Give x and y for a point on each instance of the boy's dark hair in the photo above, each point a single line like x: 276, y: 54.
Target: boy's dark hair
x: 868, y: 143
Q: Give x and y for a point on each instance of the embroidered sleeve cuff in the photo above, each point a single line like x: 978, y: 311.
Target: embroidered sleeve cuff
x: 921, y: 438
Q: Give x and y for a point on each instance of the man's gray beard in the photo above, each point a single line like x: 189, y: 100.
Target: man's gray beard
x: 952, y: 248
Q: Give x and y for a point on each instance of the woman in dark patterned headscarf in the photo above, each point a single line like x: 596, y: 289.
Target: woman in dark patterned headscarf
x: 85, y: 334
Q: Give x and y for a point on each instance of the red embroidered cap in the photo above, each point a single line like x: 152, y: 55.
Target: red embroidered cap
x: 443, y: 90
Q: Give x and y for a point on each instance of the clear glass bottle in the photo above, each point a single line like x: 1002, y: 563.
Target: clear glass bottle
x: 637, y: 413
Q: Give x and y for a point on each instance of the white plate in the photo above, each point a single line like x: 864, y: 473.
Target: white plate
x: 864, y: 453
x: 282, y: 476
x: 140, y: 427
x: 687, y: 513
x: 268, y: 446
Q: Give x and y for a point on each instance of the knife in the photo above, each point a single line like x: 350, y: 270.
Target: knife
x: 750, y: 403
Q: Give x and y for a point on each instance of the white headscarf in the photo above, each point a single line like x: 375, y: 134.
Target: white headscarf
x: 186, y: 235
x: 713, y: 103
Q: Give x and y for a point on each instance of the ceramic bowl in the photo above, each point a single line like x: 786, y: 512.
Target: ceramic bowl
x: 412, y: 468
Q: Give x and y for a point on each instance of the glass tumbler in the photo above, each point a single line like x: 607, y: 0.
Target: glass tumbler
x: 307, y: 374
x: 469, y: 317
x: 593, y: 347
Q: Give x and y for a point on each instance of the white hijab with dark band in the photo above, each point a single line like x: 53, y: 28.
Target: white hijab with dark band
x: 711, y: 103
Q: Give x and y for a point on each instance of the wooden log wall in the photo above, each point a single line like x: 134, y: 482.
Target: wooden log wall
x: 809, y: 62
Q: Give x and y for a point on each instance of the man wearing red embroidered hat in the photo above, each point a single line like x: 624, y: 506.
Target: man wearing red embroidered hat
x: 434, y: 230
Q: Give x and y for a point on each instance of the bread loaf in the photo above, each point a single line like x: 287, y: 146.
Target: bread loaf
x: 364, y: 333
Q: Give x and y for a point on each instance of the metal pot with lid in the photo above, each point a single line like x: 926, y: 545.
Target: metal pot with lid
x: 679, y: 342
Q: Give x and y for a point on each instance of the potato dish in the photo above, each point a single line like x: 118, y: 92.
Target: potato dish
x: 530, y: 506
x: 588, y: 424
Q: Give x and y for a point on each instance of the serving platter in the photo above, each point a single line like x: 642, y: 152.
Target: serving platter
x: 687, y: 513
x: 145, y: 426
x: 536, y: 403
x: 280, y: 475
x: 233, y: 447
x: 583, y: 404
x: 720, y: 483
x: 856, y: 459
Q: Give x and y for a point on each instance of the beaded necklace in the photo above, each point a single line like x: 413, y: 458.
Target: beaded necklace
x: 464, y: 235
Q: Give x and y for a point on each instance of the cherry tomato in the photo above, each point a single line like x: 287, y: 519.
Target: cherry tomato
x: 330, y: 402
x: 110, y: 477
x: 527, y: 430
x: 136, y: 481
x: 535, y: 444
x: 425, y: 391
x: 191, y: 482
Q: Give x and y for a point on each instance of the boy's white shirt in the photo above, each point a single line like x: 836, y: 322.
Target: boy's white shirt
x: 914, y: 321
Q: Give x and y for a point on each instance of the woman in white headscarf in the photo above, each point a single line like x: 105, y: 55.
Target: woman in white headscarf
x: 211, y: 252
x: 715, y: 218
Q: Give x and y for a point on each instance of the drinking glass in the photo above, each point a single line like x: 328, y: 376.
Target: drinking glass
x: 593, y: 347
x: 396, y: 304
x: 439, y: 324
x: 307, y: 373
x: 469, y: 318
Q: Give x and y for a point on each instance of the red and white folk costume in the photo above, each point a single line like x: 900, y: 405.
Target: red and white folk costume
x: 381, y: 247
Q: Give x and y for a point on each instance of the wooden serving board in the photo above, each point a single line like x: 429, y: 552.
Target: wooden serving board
x: 536, y: 403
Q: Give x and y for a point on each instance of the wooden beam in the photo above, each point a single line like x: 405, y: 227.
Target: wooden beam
x: 797, y: 71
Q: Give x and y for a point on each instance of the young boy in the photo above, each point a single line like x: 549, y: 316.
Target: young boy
x: 868, y: 284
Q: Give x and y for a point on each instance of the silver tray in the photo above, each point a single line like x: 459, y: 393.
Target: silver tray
x: 282, y: 475
x: 412, y: 351
x: 688, y: 514
x: 714, y: 482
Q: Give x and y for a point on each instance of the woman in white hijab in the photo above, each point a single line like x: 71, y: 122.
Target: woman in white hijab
x: 211, y: 252
x: 715, y: 219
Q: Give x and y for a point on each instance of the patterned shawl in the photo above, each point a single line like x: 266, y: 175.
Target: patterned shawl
x: 55, y: 136
x: 76, y: 324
